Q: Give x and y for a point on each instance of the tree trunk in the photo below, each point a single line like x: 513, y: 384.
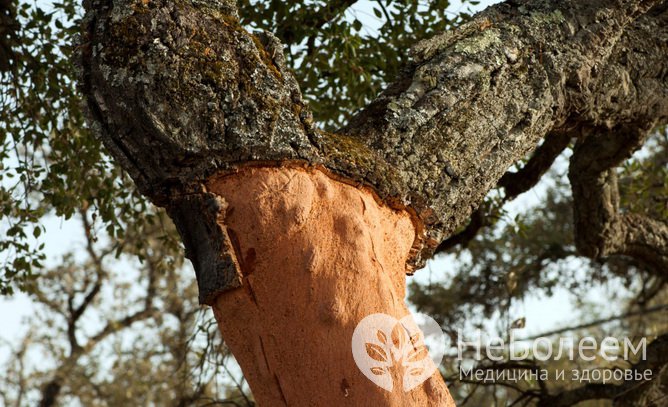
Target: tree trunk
x: 296, y: 235
x: 328, y: 255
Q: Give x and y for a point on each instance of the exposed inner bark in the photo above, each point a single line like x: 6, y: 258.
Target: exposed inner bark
x: 317, y: 256
x: 178, y: 90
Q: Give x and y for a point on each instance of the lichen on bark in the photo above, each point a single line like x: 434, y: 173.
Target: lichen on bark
x: 179, y: 91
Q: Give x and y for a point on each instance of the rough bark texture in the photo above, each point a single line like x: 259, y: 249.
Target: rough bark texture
x: 328, y: 255
x: 179, y: 91
x: 601, y: 229
x: 514, y: 183
x: 482, y: 97
x: 199, y: 219
x: 182, y: 95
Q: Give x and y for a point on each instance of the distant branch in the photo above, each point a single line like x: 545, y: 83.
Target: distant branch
x: 601, y: 229
x: 117, y: 325
x: 516, y: 183
x: 646, y: 311
x: 657, y: 358
x: 75, y: 313
x: 51, y: 390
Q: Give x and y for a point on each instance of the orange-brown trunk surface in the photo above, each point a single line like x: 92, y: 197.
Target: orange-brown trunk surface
x: 317, y: 256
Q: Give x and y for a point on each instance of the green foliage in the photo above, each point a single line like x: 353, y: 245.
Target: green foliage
x: 343, y: 62
x: 51, y: 163
x: 643, y: 182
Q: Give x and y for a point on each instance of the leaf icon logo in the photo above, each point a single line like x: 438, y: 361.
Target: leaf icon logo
x: 398, y: 336
x: 388, y: 350
x: 381, y: 337
x: 418, y: 354
x: 416, y: 371
x: 378, y: 370
x: 376, y: 352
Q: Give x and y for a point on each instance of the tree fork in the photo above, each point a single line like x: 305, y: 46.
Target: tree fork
x: 189, y: 102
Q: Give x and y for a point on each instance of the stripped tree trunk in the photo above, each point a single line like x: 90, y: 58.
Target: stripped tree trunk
x: 295, y: 234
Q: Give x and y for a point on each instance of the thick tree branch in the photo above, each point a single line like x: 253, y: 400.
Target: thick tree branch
x: 516, y: 183
x: 480, y: 98
x: 179, y: 91
x: 601, y: 230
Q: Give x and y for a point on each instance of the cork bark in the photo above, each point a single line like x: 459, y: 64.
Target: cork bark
x: 181, y: 95
x: 328, y: 255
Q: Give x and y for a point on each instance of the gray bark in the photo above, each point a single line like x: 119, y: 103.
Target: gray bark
x: 601, y: 230
x: 179, y: 91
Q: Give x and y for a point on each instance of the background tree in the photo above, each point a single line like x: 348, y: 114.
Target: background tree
x: 102, y: 340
